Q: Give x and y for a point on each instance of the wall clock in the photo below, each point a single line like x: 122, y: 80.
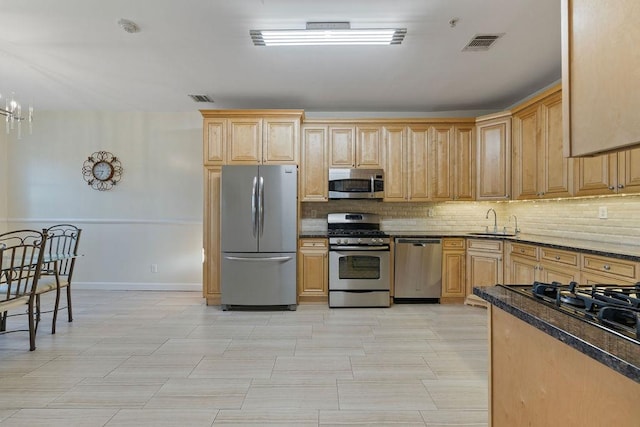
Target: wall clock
x: 102, y: 170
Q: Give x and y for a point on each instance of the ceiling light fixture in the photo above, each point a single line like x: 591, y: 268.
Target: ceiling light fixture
x: 328, y: 33
x: 13, y: 114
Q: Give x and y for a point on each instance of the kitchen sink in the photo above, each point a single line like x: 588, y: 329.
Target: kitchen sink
x: 496, y: 234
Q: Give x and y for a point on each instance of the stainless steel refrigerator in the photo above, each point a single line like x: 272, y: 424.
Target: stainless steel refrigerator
x: 259, y: 236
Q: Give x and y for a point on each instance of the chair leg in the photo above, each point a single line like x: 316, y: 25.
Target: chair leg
x: 55, y: 311
x: 69, y: 311
x: 3, y: 321
x: 33, y: 325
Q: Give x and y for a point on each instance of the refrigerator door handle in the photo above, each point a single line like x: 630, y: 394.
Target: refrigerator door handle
x: 254, y: 216
x: 261, y: 205
x: 273, y: 258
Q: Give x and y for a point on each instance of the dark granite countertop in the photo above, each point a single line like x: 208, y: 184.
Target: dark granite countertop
x: 618, y: 353
x: 615, y: 250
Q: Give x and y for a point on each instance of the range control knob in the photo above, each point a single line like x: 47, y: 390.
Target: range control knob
x: 359, y: 240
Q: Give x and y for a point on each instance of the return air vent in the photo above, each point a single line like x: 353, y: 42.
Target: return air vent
x: 482, y: 42
x: 201, y: 98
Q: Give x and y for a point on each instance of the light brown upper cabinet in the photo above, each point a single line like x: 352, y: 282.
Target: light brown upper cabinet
x: 608, y: 173
x: 314, y: 180
x: 406, y: 170
x: 356, y: 146
x: 452, y: 162
x: 600, y: 75
x: 539, y: 168
x: 251, y: 136
x: 493, y: 154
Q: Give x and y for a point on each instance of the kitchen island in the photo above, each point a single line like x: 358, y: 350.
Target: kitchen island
x: 550, y: 368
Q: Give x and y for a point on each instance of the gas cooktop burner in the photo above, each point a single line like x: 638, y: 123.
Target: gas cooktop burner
x: 613, y: 307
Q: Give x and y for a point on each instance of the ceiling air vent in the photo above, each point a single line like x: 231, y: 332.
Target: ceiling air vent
x: 482, y: 42
x: 201, y: 98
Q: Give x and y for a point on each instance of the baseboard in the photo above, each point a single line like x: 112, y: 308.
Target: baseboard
x: 138, y: 286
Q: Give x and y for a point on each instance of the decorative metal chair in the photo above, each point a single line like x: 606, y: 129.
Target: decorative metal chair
x: 21, y: 255
x: 60, y: 254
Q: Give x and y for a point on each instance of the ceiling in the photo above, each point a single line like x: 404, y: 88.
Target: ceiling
x: 72, y: 55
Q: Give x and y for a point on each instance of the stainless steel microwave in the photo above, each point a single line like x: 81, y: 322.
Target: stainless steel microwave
x: 356, y: 183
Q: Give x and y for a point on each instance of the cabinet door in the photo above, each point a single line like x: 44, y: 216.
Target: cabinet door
x: 313, y: 270
x: 558, y: 273
x: 596, y: 175
x: 557, y: 173
x: 244, y: 144
x: 629, y: 171
x: 211, y: 238
x: 483, y: 269
x: 314, y: 169
x: 526, y: 163
x: 395, y: 175
x: 418, y: 165
x: 522, y: 271
x: 463, y: 157
x: 493, y: 166
x: 440, y: 153
x: 453, y: 274
x: 342, y: 149
x: 215, y: 136
x: 280, y: 141
x: 369, y: 150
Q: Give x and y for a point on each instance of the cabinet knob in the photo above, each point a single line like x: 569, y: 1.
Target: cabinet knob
x: 611, y: 187
x: 620, y: 185
x: 606, y: 267
x: 521, y: 251
x: 557, y: 257
x: 535, y: 267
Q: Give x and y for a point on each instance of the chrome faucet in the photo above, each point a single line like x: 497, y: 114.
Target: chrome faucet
x: 516, y: 230
x: 495, y: 219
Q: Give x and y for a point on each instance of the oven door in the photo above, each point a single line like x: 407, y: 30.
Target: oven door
x: 359, y: 268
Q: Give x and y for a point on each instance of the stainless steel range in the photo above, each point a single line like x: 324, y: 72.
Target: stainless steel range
x: 614, y: 308
x: 359, y: 259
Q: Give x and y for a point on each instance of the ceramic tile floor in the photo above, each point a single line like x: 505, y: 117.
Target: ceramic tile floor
x: 166, y: 359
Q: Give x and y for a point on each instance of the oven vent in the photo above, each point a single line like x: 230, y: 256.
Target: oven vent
x: 482, y: 42
x: 201, y: 98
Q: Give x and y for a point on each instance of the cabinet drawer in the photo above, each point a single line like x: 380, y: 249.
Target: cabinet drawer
x: 488, y: 245
x: 559, y: 256
x: 518, y: 249
x: 610, y: 266
x: 313, y: 243
x: 453, y: 244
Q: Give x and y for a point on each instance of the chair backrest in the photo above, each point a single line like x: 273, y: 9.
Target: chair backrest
x: 21, y: 255
x: 62, y: 245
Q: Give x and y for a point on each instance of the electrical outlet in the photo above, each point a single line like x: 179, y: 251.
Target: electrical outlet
x: 430, y: 213
x: 154, y: 268
x: 602, y: 212
x: 314, y: 213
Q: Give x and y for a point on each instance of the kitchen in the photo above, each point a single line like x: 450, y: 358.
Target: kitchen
x: 150, y: 213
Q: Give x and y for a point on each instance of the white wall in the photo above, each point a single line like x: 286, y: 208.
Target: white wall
x: 153, y: 215
x: 3, y: 181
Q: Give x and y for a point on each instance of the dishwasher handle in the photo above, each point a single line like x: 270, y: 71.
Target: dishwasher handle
x: 420, y: 242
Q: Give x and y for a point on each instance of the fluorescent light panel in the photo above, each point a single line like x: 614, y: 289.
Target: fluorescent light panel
x: 328, y: 36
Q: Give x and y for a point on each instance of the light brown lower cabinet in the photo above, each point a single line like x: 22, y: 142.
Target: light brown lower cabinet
x: 453, y: 270
x: 313, y: 270
x: 484, y: 267
x: 528, y: 263
x: 531, y: 372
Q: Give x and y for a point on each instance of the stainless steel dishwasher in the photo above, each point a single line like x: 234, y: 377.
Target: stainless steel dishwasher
x: 418, y: 269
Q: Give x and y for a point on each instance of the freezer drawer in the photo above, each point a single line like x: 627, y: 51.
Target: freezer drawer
x: 418, y: 268
x: 256, y: 279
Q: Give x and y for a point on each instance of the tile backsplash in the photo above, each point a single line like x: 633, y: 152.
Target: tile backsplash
x: 576, y: 218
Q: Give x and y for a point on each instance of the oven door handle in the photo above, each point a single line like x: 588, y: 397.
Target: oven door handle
x: 359, y: 248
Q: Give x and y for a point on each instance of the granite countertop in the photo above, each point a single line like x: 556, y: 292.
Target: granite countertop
x: 620, y: 354
x: 616, y: 250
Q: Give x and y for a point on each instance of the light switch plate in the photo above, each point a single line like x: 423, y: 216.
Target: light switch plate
x: 602, y: 212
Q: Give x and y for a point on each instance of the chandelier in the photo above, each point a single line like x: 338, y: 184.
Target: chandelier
x: 13, y: 114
